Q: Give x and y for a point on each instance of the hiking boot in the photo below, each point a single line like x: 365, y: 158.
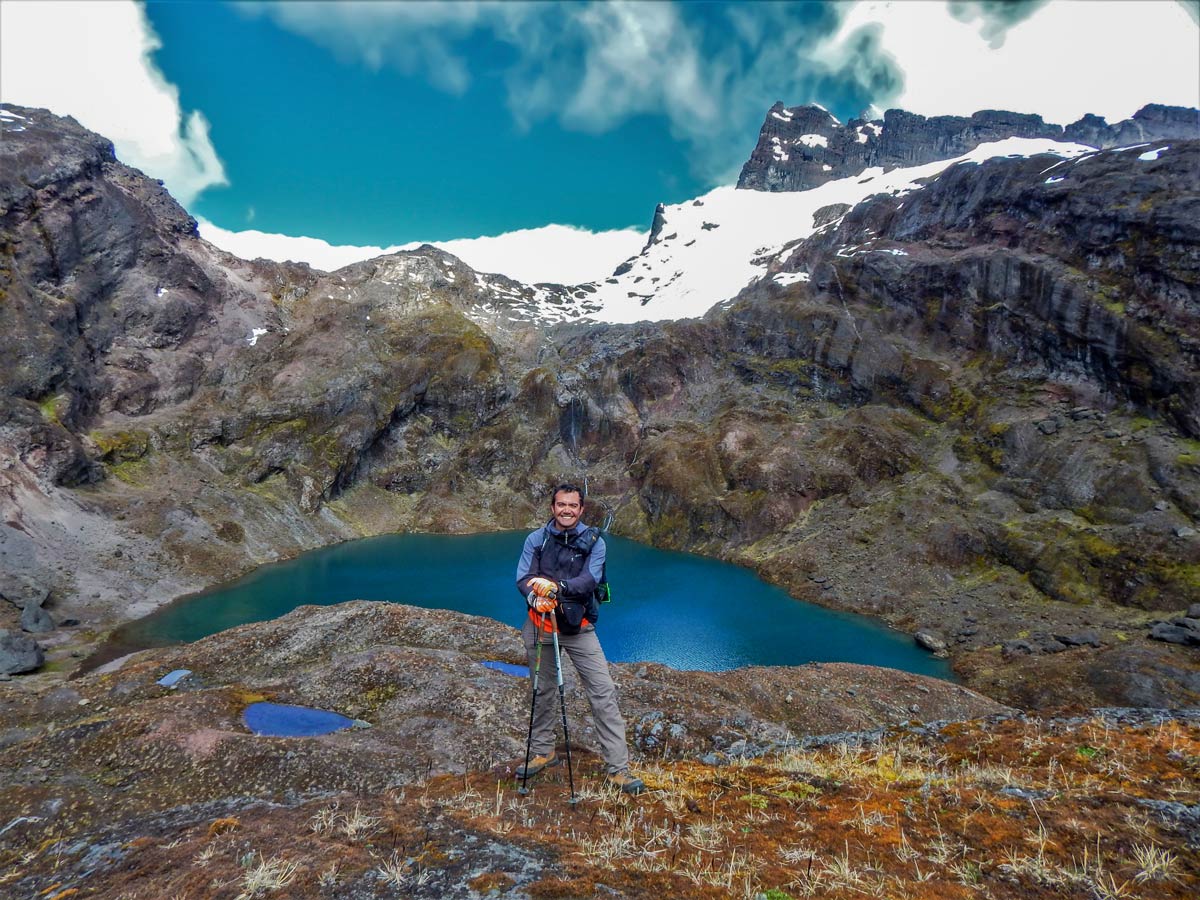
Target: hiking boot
x: 627, y: 783
x: 537, y: 764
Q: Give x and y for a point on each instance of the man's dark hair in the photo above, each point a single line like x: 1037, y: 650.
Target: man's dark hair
x: 566, y: 489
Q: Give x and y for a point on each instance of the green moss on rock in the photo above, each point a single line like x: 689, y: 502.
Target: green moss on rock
x: 121, y: 446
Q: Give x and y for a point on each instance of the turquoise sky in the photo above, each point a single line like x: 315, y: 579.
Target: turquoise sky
x: 379, y: 123
x: 318, y: 139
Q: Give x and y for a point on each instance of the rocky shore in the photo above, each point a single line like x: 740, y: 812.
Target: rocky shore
x: 824, y: 778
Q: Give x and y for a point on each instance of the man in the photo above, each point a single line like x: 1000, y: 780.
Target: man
x: 561, y: 564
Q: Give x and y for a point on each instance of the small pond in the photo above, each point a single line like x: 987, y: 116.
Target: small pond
x: 686, y: 611
x: 286, y: 720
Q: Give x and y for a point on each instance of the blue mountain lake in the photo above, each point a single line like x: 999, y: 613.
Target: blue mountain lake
x: 686, y: 611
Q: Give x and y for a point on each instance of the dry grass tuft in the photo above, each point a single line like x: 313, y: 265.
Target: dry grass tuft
x: 267, y: 876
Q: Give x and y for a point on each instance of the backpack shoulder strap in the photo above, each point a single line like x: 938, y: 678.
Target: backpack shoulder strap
x: 587, y: 540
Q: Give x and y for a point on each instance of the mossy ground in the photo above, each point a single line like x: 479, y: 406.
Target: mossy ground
x: 1020, y: 808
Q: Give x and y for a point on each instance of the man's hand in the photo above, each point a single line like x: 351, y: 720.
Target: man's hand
x: 542, y: 594
x: 543, y: 587
x: 541, y: 604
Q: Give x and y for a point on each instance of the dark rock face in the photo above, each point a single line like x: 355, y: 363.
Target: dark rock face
x: 804, y: 146
x: 1107, y: 265
x: 979, y: 413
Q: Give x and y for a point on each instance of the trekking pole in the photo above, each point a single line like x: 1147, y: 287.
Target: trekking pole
x: 562, y: 701
x: 522, y: 790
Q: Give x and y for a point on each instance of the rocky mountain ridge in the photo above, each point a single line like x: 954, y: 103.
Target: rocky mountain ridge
x: 705, y: 251
x: 802, y: 147
x: 969, y: 410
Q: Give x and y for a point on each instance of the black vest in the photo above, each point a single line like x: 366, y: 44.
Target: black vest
x: 563, y: 556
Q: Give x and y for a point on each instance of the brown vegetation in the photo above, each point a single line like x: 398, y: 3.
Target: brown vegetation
x: 1016, y: 808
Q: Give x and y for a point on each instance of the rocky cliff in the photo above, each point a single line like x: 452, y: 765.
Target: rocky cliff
x: 970, y: 411
x: 804, y: 146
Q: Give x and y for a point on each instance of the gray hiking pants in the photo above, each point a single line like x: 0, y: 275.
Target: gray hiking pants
x: 592, y: 668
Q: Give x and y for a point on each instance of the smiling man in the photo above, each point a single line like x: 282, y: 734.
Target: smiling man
x: 561, y: 566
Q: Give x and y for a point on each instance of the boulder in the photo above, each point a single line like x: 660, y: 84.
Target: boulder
x: 22, y: 592
x: 1086, y: 638
x: 1010, y: 649
x: 932, y: 642
x: 19, y: 653
x: 1174, y: 634
x: 36, y: 620
x: 1040, y: 642
x: 1047, y: 643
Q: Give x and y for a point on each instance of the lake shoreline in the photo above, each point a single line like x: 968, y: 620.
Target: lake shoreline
x: 682, y: 597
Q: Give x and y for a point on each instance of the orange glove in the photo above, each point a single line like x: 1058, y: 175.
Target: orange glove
x: 542, y: 594
x: 543, y: 587
x: 541, y: 604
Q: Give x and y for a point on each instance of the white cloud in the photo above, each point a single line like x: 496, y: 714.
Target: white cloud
x: 712, y: 71
x: 411, y: 36
x: 1062, y: 61
x: 91, y: 60
x: 557, y: 254
x: 318, y: 253
x: 640, y: 58
x: 592, y: 66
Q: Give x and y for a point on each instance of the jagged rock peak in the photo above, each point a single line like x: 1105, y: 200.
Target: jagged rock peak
x: 42, y: 155
x: 656, y: 226
x: 805, y: 146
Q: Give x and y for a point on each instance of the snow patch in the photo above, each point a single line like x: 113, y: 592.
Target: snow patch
x: 786, y: 278
x: 1151, y: 155
x: 255, y: 334
x: 1055, y: 180
x: 813, y: 140
x: 754, y: 225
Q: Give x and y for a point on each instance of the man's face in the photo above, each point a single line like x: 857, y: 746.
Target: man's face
x: 567, y: 508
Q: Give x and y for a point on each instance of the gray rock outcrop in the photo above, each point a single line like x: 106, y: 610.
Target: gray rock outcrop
x: 805, y: 146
